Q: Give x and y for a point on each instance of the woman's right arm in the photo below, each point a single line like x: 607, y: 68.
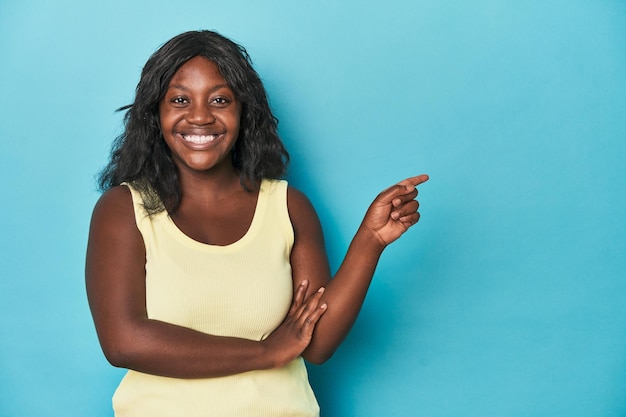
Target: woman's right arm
x: 115, y: 280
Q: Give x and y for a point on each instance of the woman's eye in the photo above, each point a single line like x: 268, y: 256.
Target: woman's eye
x: 179, y: 100
x: 221, y: 101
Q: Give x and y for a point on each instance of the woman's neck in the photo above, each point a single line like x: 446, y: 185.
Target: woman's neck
x: 210, y: 186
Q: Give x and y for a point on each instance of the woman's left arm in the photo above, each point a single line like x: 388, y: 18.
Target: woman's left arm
x: 388, y: 217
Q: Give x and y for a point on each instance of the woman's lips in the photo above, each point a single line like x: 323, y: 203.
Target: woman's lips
x: 200, y: 139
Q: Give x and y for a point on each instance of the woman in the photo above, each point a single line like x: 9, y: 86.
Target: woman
x: 206, y: 274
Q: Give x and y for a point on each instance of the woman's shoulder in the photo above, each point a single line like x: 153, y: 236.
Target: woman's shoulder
x: 115, y: 198
x: 113, y: 232
x: 114, y: 207
x: 301, y: 210
x: 297, y: 197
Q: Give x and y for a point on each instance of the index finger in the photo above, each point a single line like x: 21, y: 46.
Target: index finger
x: 404, y: 187
x: 414, y: 181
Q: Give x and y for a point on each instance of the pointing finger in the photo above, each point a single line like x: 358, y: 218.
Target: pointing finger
x: 414, y: 181
x: 404, y: 187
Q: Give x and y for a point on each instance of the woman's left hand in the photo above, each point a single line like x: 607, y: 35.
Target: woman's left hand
x: 394, y: 210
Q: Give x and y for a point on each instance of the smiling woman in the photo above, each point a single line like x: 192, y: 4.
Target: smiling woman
x: 206, y: 274
x: 200, y: 117
x: 140, y: 154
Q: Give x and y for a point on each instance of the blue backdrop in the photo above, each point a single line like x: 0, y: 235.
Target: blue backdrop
x: 506, y: 300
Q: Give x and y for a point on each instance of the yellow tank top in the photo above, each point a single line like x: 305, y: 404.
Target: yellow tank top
x: 242, y: 290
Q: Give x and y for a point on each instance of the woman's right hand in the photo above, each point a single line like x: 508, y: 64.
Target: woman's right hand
x: 294, y: 334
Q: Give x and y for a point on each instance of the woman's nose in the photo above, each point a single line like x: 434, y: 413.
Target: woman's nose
x: 200, y: 114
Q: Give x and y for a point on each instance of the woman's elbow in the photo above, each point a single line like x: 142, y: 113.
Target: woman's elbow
x: 120, y: 351
x: 117, y: 355
x: 317, y: 357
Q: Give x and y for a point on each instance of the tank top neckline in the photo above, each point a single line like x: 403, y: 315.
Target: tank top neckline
x: 253, y: 229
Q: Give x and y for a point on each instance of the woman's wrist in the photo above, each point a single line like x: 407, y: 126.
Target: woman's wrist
x: 369, y: 240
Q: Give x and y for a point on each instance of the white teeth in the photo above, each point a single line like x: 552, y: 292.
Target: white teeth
x: 200, y: 139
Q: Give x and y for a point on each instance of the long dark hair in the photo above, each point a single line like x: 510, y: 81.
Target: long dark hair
x: 140, y: 155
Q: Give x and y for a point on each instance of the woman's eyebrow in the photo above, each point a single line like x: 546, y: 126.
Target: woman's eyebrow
x: 182, y: 87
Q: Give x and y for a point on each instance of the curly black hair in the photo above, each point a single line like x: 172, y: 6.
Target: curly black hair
x: 140, y: 154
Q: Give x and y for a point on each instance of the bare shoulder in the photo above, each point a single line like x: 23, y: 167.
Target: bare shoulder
x: 306, y: 223
x: 115, y: 248
x: 114, y: 217
x: 297, y: 197
x: 300, y: 207
x: 113, y: 200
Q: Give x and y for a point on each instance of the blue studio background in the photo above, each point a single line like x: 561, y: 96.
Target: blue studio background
x: 507, y: 299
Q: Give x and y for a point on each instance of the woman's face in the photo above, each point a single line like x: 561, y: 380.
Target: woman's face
x: 200, y: 117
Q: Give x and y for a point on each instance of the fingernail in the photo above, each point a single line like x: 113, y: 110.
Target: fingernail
x: 304, y: 282
x: 323, y: 306
x: 321, y: 289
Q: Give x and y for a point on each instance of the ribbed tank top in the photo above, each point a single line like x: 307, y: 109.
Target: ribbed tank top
x: 241, y: 290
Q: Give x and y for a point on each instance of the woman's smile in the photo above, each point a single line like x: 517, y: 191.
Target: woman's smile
x: 200, y: 139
